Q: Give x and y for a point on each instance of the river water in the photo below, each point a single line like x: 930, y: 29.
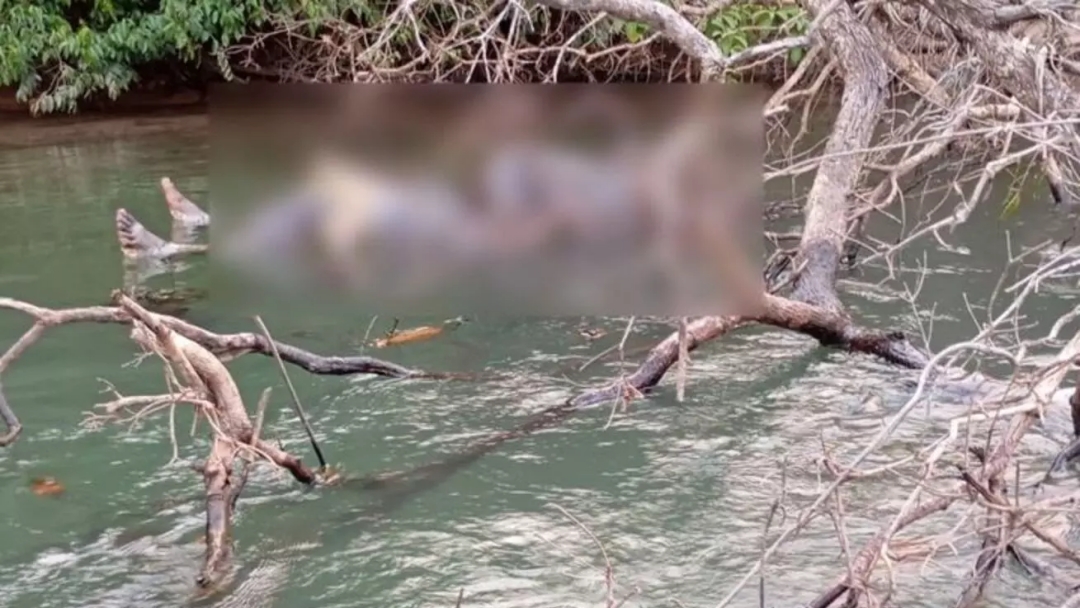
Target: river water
x: 676, y: 493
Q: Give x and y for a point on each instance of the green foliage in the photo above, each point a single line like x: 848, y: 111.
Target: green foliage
x: 58, y: 52
x: 741, y: 26
x: 1018, y: 184
x: 635, y: 32
x: 1012, y: 204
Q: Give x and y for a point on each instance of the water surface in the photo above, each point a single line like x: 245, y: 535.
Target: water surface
x: 677, y: 493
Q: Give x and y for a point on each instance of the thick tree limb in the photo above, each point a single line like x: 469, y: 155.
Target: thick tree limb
x: 835, y: 328
x: 659, y: 360
x: 828, y: 327
x: 1007, y: 14
x: 228, y: 346
x: 659, y: 16
x: 220, y: 498
x: 11, y: 420
x: 203, y: 369
x: 865, y: 82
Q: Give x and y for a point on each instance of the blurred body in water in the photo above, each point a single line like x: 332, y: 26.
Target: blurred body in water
x: 533, y: 219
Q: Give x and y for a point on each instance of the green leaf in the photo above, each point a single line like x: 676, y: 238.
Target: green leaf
x: 1012, y: 204
x: 635, y: 32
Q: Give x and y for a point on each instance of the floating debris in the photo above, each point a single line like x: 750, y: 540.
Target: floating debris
x: 330, y: 476
x: 397, y: 337
x: 591, y: 333
x: 46, y: 486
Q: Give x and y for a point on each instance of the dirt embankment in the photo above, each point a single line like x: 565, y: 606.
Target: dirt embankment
x: 135, y: 113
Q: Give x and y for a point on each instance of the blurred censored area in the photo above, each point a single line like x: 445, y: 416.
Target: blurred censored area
x: 515, y: 199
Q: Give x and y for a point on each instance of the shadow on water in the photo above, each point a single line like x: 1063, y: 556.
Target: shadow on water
x: 677, y: 492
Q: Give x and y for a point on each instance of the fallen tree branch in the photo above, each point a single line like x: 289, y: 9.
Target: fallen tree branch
x: 659, y: 360
x: 661, y: 17
x: 865, y: 82
x: 996, y: 463
x: 222, y: 346
x: 207, y: 377
x: 218, y: 479
x: 230, y: 346
x: 201, y: 366
x: 830, y: 328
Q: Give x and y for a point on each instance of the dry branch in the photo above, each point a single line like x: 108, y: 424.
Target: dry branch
x: 206, y: 376
x: 222, y: 346
x: 218, y: 479
x: 830, y: 328
x: 11, y: 421
x: 663, y: 18
x: 865, y: 81
x: 1039, y: 394
x: 1019, y: 70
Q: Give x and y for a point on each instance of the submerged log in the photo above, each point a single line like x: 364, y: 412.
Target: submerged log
x: 220, y: 499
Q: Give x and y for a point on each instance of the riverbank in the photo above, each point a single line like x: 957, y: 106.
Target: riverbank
x: 133, y: 114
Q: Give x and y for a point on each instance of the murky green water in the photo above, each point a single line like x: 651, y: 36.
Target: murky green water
x: 677, y: 493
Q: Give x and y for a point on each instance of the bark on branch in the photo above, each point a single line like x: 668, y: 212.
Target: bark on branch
x: 865, y: 82
x: 11, y: 421
x: 830, y: 328
x: 659, y: 16
x: 206, y: 376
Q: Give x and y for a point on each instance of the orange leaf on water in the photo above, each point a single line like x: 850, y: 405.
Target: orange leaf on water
x: 406, y: 336
x: 46, y: 486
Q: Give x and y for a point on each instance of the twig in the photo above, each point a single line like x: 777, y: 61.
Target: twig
x: 620, y: 396
x: 684, y: 356
x: 292, y: 392
x: 609, y: 570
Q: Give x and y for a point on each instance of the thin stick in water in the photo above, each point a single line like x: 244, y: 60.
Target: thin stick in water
x: 292, y: 391
x: 260, y: 414
x: 684, y: 356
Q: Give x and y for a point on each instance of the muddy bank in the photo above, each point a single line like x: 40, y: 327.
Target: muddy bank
x: 22, y: 131
x: 135, y: 100
x: 133, y: 114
